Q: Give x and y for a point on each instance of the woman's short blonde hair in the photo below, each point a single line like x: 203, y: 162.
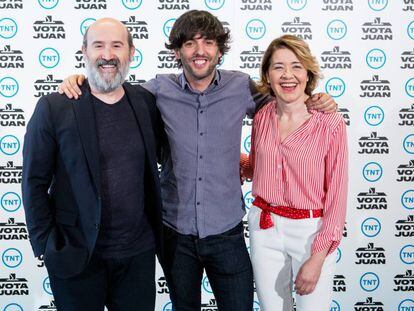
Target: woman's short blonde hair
x: 302, y: 52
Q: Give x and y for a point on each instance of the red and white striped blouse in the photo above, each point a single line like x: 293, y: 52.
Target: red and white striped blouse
x: 308, y: 170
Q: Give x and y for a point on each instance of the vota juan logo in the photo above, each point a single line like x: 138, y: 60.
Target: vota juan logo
x: 404, y: 282
x: 11, y: 4
x: 406, y: 172
x: 337, y: 5
x: 46, y: 86
x: 407, y: 59
x: 372, y: 200
x: 344, y: 112
x: 251, y: 59
x: 12, y: 117
x: 299, y: 28
x: 171, y: 5
x: 375, y: 87
x: 10, y: 173
x: 373, y: 144
x: 162, y: 286
x: 339, y: 283
x: 211, y: 305
x: 50, y: 307
x: 80, y: 63
x: 134, y: 80
x: 10, y: 58
x: 138, y: 29
x: 405, y: 227
x: 12, y: 230
x: 49, y: 29
x: 256, y: 5
x: 377, y: 30
x: 14, y: 286
x: 408, y: 5
x: 370, y: 255
x: 336, y: 59
x: 406, y: 116
x: 369, y: 305
x: 166, y: 60
x: 90, y: 5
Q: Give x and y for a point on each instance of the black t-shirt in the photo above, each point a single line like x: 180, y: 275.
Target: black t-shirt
x: 124, y: 230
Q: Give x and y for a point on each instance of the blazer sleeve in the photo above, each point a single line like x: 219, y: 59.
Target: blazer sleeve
x: 39, y: 151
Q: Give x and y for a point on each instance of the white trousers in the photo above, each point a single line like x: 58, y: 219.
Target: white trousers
x: 278, y: 253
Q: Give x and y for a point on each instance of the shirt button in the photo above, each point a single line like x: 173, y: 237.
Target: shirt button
x: 201, y: 134
x: 198, y: 203
x: 200, y: 179
x: 201, y: 111
x: 201, y: 157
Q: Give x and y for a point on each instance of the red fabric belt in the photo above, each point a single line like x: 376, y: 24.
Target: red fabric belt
x: 284, y: 211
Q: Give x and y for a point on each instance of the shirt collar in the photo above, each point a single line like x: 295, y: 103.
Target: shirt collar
x: 184, y: 83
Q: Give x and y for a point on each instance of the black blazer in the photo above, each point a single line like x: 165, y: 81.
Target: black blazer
x: 61, y: 185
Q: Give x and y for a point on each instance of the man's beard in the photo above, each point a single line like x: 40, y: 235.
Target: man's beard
x: 106, y: 83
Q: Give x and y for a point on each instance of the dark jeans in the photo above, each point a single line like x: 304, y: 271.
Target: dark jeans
x: 126, y: 284
x: 227, y: 264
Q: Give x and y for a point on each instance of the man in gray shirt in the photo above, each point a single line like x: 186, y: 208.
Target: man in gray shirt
x: 203, y: 109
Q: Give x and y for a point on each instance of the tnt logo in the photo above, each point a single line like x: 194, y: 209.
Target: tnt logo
x: 335, y: 87
x: 338, y: 255
x: 49, y: 58
x: 376, y: 58
x: 251, y: 59
x: 132, y: 4
x: 407, y: 58
x: 162, y: 286
x: 9, y: 145
x: 255, y: 29
x: 410, y: 30
x: 168, y: 307
x: 407, y: 199
x: 214, y: 4
x: 296, y: 5
x: 46, y: 286
x: 406, y: 305
x: 369, y: 304
x: 166, y: 28
x: 48, y: 4
x: 374, y: 115
x: 377, y: 5
x: 247, y: 144
x: 409, y: 87
x: 256, y: 5
x: 372, y: 200
x: 206, y: 285
x: 174, y: 5
x: 85, y: 24
x: 335, y: 306
x: 369, y: 281
x: 408, y: 144
x: 336, y: 29
x: 338, y: 5
x: 8, y: 87
x: 405, y: 227
x: 41, y: 262
x: 371, y: 227
x: 13, y: 307
x: 11, y: 4
x: 136, y: 59
x: 90, y: 5
x: 12, y: 258
x: 298, y: 28
x: 211, y: 305
x: 248, y: 199
x: 8, y: 28
x: 10, y: 202
x: 256, y: 306
x: 407, y: 254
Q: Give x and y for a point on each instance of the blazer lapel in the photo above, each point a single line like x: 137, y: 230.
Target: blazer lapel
x: 143, y: 118
x: 85, y: 118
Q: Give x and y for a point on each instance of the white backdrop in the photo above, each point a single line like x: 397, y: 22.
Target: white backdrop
x: 366, y: 50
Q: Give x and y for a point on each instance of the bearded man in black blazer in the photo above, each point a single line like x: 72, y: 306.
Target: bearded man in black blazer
x: 90, y: 183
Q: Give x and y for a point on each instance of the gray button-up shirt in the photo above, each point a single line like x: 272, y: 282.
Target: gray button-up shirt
x: 200, y: 181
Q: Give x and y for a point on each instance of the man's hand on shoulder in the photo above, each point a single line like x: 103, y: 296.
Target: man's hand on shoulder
x: 322, y: 102
x: 70, y: 86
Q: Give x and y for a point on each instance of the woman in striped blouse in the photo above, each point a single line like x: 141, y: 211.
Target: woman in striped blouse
x: 298, y: 162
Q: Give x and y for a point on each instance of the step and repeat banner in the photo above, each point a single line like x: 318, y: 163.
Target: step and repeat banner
x: 366, y: 51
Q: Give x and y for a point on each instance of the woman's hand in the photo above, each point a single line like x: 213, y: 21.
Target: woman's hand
x: 70, y: 86
x: 309, y: 273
